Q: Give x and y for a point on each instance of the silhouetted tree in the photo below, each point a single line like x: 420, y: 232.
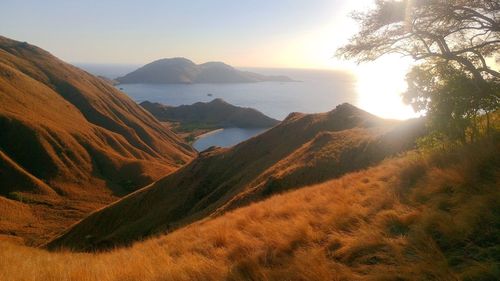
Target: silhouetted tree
x: 452, y: 40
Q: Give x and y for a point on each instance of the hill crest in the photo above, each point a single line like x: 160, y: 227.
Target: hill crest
x: 302, y: 150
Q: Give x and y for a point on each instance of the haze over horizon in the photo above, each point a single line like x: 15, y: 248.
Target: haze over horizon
x: 277, y: 34
x: 285, y: 33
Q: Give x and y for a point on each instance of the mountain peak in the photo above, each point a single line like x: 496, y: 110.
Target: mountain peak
x: 218, y: 101
x: 345, y: 106
x: 347, y: 109
x: 216, y: 64
x: 173, y: 60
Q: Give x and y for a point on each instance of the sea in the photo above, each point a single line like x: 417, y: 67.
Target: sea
x: 314, y: 91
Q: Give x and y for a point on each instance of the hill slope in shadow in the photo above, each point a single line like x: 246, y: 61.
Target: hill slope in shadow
x: 303, y: 149
x: 421, y: 216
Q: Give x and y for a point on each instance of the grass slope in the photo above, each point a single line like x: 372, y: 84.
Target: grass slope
x: 70, y: 139
x: 417, y: 217
x: 302, y: 150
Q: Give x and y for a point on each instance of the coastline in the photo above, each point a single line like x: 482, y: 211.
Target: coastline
x: 208, y: 133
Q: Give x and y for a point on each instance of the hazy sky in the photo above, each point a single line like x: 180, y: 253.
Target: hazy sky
x: 276, y: 33
x: 250, y: 33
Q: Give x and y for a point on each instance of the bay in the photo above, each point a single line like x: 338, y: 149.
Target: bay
x: 315, y: 91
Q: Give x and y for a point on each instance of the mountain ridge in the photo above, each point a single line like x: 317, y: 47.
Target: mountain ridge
x: 70, y: 139
x: 222, y: 179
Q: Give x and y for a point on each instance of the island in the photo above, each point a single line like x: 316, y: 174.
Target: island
x: 191, y: 121
x: 184, y: 71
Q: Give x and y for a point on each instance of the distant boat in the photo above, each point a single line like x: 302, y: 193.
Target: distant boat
x: 121, y: 89
x: 209, y: 95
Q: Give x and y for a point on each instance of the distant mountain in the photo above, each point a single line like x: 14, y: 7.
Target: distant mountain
x: 70, y: 143
x: 303, y: 149
x: 215, y: 114
x: 184, y: 71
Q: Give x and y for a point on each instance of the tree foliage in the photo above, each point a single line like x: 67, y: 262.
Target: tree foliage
x: 444, y: 90
x: 455, y: 43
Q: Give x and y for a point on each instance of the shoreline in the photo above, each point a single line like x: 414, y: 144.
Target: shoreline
x: 208, y: 133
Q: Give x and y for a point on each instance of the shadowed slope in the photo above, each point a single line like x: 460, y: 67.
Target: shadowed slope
x: 417, y: 217
x: 67, y: 135
x: 301, y: 150
x: 15, y: 178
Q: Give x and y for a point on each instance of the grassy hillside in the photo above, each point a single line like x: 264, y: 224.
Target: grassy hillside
x: 71, y: 143
x: 302, y: 150
x: 417, y: 217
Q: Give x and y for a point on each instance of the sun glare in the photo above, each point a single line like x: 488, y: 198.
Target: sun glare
x: 380, y: 85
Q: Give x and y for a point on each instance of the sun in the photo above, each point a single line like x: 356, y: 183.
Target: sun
x: 380, y: 85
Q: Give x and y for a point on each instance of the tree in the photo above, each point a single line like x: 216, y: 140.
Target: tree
x: 452, y: 39
x: 444, y: 91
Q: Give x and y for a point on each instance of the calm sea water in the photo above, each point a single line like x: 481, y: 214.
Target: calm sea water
x: 317, y: 91
x: 226, y: 137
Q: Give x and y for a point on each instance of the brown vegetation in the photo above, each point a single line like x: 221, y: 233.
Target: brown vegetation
x: 416, y: 217
x: 70, y: 142
x: 302, y: 150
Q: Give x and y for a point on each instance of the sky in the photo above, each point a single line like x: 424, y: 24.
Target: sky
x: 250, y: 33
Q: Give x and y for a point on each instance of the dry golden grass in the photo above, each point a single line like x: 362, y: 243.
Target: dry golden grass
x: 71, y: 143
x: 417, y: 217
x: 301, y: 151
